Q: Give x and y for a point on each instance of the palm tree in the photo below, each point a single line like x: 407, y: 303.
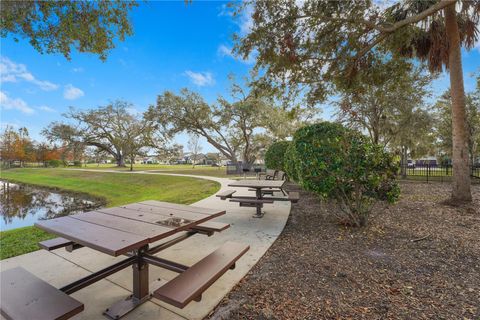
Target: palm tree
x: 437, y: 39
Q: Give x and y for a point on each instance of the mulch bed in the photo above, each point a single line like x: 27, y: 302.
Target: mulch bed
x: 418, y: 259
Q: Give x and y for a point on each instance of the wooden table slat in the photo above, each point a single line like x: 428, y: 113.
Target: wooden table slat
x: 104, y: 239
x: 153, y: 232
x: 181, y: 207
x: 179, y: 220
x: 169, y: 212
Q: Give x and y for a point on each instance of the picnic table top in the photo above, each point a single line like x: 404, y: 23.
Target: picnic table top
x: 118, y: 230
x: 258, y: 183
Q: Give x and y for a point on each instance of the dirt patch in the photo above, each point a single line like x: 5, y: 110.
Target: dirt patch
x: 418, y: 259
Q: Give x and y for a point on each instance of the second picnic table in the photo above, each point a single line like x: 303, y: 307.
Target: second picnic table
x: 126, y: 230
x: 259, y: 186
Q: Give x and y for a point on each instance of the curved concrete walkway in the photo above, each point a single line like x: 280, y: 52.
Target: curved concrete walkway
x: 60, y: 267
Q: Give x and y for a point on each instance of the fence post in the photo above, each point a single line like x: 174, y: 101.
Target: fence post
x: 428, y: 171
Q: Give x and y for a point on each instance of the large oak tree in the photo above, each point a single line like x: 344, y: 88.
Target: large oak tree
x: 238, y: 127
x: 377, y: 107
x: 112, y: 128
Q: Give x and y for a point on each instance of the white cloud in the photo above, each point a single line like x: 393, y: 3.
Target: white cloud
x: 200, y: 78
x: 8, y: 103
x: 46, y: 85
x: 46, y: 108
x: 225, y: 51
x: 78, y: 70
x: 16, y: 72
x: 71, y: 93
x: 133, y: 111
x: 245, y: 20
x: 4, y: 125
x: 225, y: 11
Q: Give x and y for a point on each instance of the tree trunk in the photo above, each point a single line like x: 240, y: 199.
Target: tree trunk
x: 461, y: 176
x: 131, y: 163
x: 404, y: 161
x: 120, y: 161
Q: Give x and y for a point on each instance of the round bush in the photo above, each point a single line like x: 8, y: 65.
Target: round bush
x: 290, y: 163
x: 275, y: 155
x: 339, y: 163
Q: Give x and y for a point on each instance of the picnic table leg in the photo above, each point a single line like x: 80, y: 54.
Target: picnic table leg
x: 140, y: 279
x: 259, y: 206
x: 140, y: 290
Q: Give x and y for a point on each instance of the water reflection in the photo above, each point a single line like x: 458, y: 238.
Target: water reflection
x: 22, y: 205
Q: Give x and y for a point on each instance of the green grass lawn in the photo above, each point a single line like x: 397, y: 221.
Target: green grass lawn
x: 176, y: 168
x: 115, y: 188
x: 140, y: 166
x: 201, y: 171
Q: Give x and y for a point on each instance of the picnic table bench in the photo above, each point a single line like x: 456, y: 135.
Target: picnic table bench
x: 225, y: 194
x: 190, y: 284
x: 251, y: 202
x: 126, y: 230
x: 293, y: 196
x: 24, y: 296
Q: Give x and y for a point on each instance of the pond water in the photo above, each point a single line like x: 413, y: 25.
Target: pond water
x: 22, y: 205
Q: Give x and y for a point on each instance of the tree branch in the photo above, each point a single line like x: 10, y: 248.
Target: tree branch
x: 419, y: 17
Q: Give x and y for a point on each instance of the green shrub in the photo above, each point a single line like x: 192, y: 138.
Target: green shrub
x: 275, y: 155
x: 341, y: 164
x: 290, y: 163
x: 54, y: 163
x: 77, y: 163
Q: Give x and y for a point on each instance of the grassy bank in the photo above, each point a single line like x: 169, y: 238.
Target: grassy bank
x: 21, y: 240
x: 115, y: 188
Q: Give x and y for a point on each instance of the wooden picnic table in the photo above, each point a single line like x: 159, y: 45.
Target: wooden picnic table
x: 128, y: 230
x: 258, y: 185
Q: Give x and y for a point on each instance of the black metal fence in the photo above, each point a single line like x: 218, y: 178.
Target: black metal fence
x: 430, y: 172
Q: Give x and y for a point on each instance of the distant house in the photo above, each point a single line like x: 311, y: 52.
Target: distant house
x: 149, y: 160
x: 425, y: 161
x: 202, y: 159
x: 185, y: 159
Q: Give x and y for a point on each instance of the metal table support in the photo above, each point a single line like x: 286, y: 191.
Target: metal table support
x: 139, y: 260
x: 259, y: 206
x: 140, y: 288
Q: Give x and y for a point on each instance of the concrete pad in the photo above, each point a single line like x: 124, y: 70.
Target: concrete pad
x: 61, y: 267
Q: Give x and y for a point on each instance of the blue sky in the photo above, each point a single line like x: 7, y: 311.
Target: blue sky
x: 174, y: 46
